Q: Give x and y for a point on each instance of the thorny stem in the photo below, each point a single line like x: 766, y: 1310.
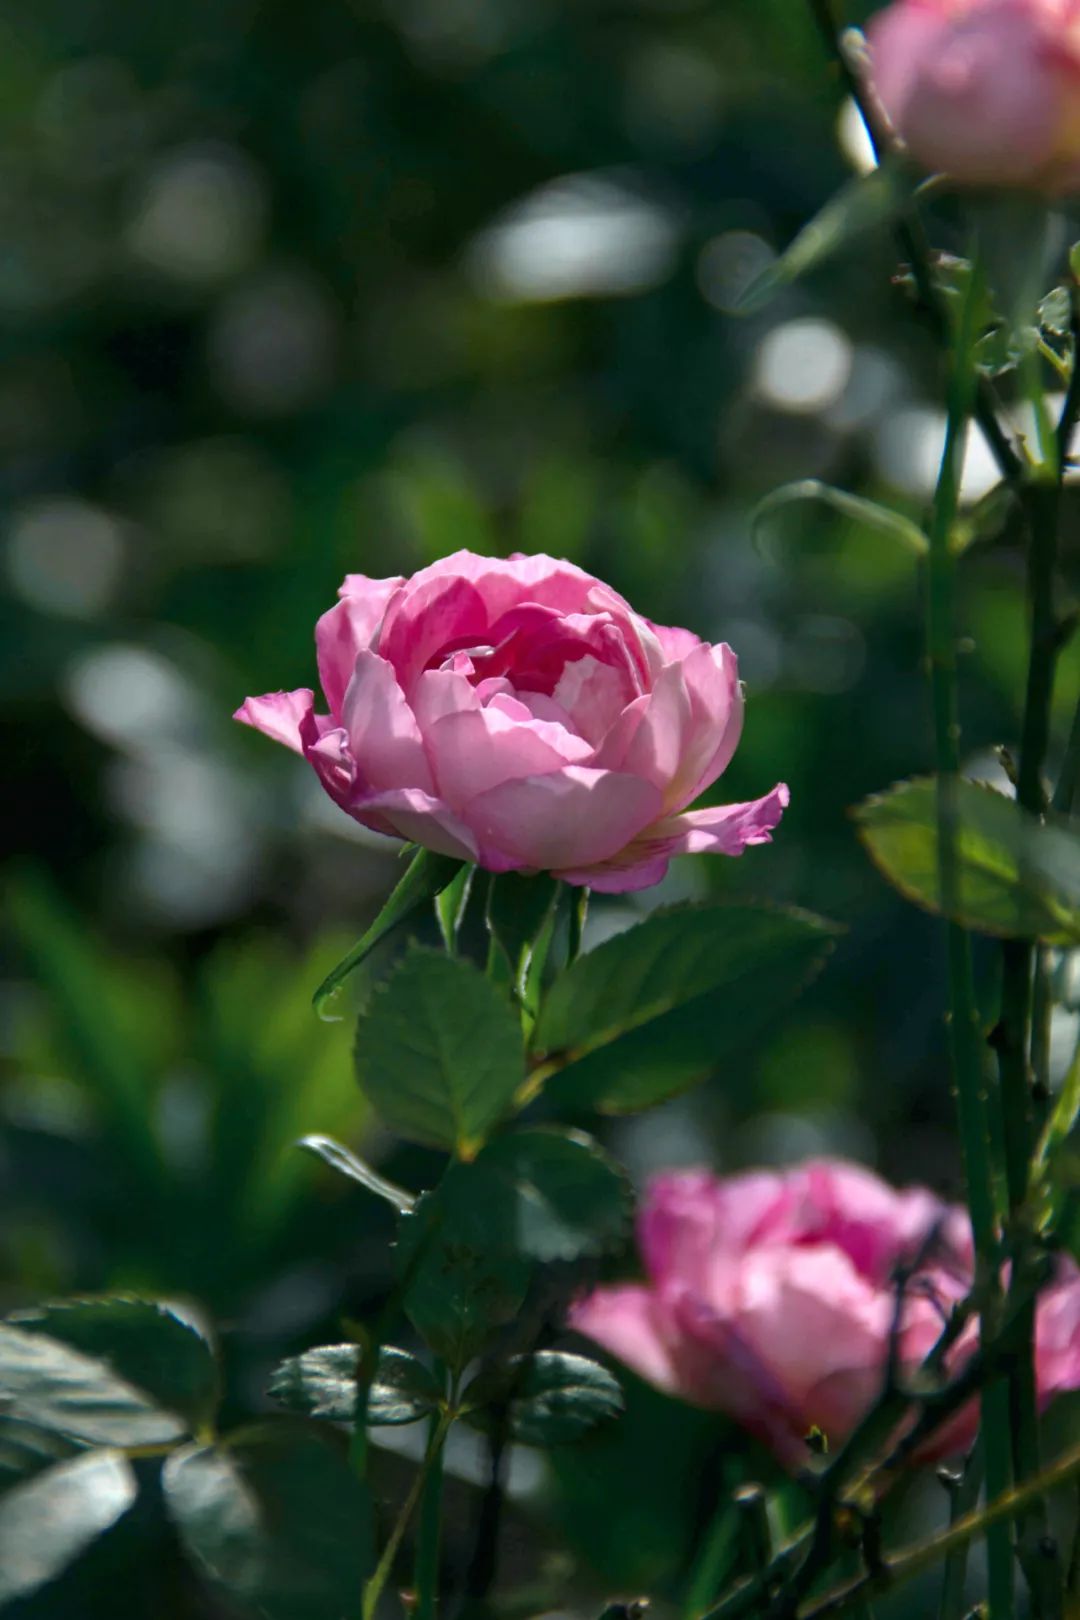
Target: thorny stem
x: 964, y: 1037
x: 429, y: 1530
x: 913, y: 1560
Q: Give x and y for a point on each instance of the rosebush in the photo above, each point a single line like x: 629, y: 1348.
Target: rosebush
x: 519, y: 714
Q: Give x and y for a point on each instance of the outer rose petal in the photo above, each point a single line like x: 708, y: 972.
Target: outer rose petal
x: 279, y: 714
x: 711, y: 677
x: 570, y: 817
x: 632, y: 1323
x: 349, y: 628
x: 384, y: 738
x: 418, y: 818
x: 726, y: 829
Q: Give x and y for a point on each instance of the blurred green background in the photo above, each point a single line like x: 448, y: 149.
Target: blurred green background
x: 291, y: 290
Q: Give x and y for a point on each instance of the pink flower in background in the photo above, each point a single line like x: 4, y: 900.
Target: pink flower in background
x: 771, y: 1296
x: 521, y: 715
x: 987, y: 91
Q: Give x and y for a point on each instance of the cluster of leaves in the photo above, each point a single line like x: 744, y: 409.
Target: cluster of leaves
x: 450, y: 1055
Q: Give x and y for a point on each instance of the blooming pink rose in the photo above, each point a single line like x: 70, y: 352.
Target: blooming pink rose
x: 987, y: 91
x: 521, y: 715
x: 771, y: 1296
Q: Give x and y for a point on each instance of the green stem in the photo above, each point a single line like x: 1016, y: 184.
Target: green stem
x: 373, y: 1589
x: 579, y: 911
x: 429, y: 1530
x: 911, y: 1561
x: 964, y: 1498
x: 1018, y: 1033
x: 965, y: 1044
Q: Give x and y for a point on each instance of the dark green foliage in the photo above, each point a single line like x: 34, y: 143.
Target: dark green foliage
x: 275, y: 1519
x: 658, y: 1007
x: 439, y: 1052
x: 547, y: 1399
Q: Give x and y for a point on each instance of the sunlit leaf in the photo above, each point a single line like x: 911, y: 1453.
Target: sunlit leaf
x: 275, y: 1519
x: 147, y: 1343
x: 50, y: 1384
x: 322, y: 1383
x: 647, y: 1013
x: 439, y: 1052
x: 49, y: 1520
x: 1015, y: 876
x: 426, y: 876
x: 549, y: 1399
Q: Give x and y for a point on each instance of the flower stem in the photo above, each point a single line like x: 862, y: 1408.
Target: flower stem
x: 374, y: 1587
x: 965, y: 1043
x: 429, y: 1530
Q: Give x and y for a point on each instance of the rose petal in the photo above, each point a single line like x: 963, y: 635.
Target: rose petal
x: 384, y: 738
x: 726, y: 829
x: 429, y: 618
x: 278, y: 714
x: 347, y: 629
x: 478, y: 749
x: 420, y: 819
x: 711, y: 677
x: 572, y: 817
x: 631, y: 1323
x: 593, y: 694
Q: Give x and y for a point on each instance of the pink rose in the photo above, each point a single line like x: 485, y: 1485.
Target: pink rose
x: 771, y: 1296
x: 988, y: 91
x: 521, y: 715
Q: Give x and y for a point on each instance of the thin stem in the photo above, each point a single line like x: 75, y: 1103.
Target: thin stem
x: 374, y: 1587
x: 965, y: 1495
x: 429, y: 1530
x: 964, y: 1037
x: 1018, y: 1032
x: 923, y: 1555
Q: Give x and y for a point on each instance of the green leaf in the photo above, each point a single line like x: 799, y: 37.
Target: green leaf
x: 867, y: 514
x: 322, y: 1383
x: 49, y: 1520
x: 550, y: 1398
x: 550, y: 1195
x: 517, y: 910
x: 861, y: 206
x: 427, y: 875
x: 47, y: 1383
x: 145, y: 1342
x: 649, y: 1012
x: 346, y: 1163
x: 458, y: 1287
x: 439, y: 1052
x: 1016, y: 877
x: 26, y: 1448
x: 276, y: 1519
